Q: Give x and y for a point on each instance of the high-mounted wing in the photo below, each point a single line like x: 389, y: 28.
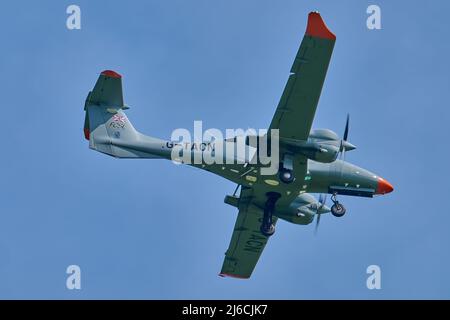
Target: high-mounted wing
x: 297, y: 106
x: 247, y: 242
x: 293, y: 118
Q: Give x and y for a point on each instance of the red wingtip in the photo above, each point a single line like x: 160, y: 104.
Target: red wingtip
x: 86, y: 133
x: 317, y: 28
x: 223, y: 275
x: 112, y: 74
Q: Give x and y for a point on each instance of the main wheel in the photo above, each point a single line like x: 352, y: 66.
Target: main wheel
x: 287, y: 176
x: 268, y: 231
x: 338, y: 210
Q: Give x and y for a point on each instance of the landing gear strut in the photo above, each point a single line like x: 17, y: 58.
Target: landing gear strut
x: 337, y: 209
x: 267, y: 227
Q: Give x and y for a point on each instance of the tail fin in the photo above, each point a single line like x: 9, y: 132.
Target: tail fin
x: 106, y: 126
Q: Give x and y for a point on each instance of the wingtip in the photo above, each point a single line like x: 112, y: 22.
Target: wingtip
x: 224, y: 275
x: 317, y: 28
x: 111, y: 74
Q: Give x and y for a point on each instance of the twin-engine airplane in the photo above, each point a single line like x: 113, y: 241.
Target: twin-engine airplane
x: 310, y: 160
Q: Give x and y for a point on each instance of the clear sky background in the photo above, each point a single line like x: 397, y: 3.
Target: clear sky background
x: 150, y: 229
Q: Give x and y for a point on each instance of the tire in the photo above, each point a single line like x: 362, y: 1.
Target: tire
x: 287, y: 176
x: 338, y: 210
x: 268, y: 231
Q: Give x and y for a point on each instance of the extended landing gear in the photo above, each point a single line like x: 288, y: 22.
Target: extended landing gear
x: 286, y: 172
x: 267, y: 227
x: 337, y: 209
x: 286, y: 175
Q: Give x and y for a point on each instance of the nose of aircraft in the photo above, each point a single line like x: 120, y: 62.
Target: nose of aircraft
x: 384, y: 187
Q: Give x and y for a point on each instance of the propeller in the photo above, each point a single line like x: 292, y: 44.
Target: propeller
x: 346, y: 127
x: 320, y: 204
x: 344, y: 139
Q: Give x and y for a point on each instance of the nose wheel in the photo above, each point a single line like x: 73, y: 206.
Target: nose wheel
x: 267, y: 227
x: 337, y: 209
x: 286, y: 172
x: 286, y: 175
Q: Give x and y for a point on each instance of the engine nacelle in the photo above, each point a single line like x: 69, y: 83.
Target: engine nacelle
x: 326, y: 146
x: 303, y: 209
x: 323, y: 145
x: 325, y: 153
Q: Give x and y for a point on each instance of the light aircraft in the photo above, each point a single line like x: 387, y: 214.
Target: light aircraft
x: 310, y: 160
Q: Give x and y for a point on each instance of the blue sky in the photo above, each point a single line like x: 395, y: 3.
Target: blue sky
x: 150, y: 229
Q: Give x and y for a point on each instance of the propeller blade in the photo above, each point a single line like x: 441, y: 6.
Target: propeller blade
x: 346, y: 127
x: 344, y: 139
x: 342, y: 152
x: 317, y: 224
x: 324, y: 200
x: 320, y: 204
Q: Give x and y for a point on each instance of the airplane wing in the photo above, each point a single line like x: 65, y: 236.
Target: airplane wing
x: 293, y: 117
x: 295, y: 112
x: 247, y: 242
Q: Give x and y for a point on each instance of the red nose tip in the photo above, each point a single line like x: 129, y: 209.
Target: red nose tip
x: 384, y: 187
